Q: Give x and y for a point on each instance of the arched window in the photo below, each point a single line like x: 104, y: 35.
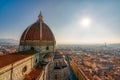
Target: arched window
x: 36, y: 61
x: 47, y: 48
x: 56, y: 77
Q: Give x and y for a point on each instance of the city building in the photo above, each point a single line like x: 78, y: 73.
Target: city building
x: 59, y: 69
x: 77, y: 71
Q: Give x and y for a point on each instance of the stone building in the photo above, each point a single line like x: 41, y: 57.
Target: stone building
x: 36, y: 51
x: 58, y: 70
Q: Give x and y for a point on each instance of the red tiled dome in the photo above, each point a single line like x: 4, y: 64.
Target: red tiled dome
x: 34, y: 32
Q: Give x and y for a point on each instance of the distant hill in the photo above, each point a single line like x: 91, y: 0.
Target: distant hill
x: 8, y: 42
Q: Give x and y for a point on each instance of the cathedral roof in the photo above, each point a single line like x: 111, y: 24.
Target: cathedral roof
x: 34, y: 74
x: 14, y: 57
x: 38, y: 31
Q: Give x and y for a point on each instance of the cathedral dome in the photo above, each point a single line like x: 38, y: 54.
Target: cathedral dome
x: 36, y: 32
x: 38, y: 36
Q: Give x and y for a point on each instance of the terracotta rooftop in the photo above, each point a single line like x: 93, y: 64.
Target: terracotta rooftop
x: 34, y: 74
x: 11, y: 58
x: 33, y: 32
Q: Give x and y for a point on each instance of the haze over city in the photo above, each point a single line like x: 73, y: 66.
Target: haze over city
x: 72, y: 21
x: 59, y: 40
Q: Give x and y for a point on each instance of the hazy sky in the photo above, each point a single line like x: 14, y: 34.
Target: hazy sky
x: 64, y: 18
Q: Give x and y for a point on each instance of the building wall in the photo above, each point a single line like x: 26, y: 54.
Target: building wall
x: 78, y: 73
x: 35, y: 59
x: 42, y: 49
x: 38, y: 45
x: 61, y: 74
x: 18, y: 73
x: 5, y: 73
x: 15, y: 71
x: 46, y: 76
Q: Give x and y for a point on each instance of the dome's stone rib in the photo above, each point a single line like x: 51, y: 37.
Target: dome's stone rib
x: 22, y: 36
x: 25, y: 32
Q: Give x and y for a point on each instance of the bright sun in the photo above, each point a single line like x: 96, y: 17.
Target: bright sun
x: 85, y: 22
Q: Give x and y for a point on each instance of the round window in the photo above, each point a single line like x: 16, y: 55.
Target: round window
x: 24, y: 69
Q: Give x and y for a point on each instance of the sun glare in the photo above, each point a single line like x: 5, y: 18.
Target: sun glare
x: 85, y: 22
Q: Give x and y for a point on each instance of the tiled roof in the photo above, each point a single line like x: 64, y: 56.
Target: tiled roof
x: 34, y: 74
x: 11, y: 58
x: 33, y: 32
